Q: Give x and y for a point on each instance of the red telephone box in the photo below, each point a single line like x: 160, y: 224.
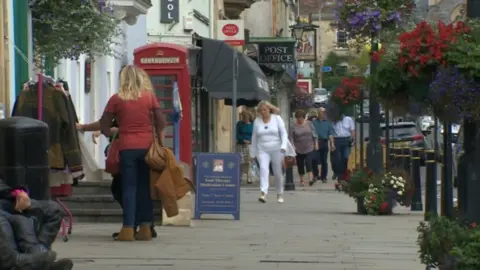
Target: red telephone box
x: 167, y: 64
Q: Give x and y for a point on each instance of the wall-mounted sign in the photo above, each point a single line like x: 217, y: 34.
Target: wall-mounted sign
x: 231, y: 32
x: 159, y: 60
x: 169, y: 11
x: 304, y: 85
x: 276, y: 53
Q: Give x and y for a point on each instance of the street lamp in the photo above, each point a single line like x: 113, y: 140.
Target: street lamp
x: 298, y: 30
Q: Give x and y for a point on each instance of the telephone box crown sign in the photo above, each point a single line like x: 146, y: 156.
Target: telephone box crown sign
x: 159, y: 53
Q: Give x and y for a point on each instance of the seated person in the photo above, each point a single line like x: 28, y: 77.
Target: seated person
x: 11, y: 259
x: 20, y: 210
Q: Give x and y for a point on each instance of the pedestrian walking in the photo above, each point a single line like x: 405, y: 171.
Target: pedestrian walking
x: 136, y: 135
x: 269, y: 144
x: 344, y: 137
x: 312, y: 116
x: 325, y: 133
x: 304, y: 139
x: 244, y: 139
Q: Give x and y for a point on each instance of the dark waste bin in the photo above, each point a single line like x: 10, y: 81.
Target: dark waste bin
x: 24, y: 155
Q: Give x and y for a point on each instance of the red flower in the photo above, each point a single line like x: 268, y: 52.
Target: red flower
x: 384, y: 207
x: 473, y: 225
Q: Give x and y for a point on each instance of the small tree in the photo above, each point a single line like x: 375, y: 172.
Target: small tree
x: 70, y: 28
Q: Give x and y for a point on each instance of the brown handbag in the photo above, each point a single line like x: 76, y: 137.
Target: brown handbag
x: 155, y: 157
x: 112, y: 162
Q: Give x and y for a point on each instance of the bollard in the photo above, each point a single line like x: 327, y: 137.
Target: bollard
x: 393, y: 157
x: 398, y: 157
x: 416, y: 179
x: 289, y: 184
x: 431, y: 207
x: 405, y: 163
x: 24, y: 155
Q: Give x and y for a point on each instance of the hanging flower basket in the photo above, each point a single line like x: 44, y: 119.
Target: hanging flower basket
x: 362, y: 18
x: 424, y: 49
x: 454, y: 95
x: 345, y: 97
x: 302, y: 100
x: 388, y: 83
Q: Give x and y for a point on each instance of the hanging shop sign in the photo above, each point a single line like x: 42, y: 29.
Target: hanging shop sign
x: 304, y: 85
x: 276, y: 53
x: 231, y: 32
x: 169, y: 11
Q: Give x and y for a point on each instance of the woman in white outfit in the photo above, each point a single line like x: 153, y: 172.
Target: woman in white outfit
x: 269, y: 143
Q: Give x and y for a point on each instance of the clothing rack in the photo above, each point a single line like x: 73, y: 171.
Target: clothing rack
x: 66, y: 225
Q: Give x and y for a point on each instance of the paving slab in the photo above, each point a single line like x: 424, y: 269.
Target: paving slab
x: 316, y: 228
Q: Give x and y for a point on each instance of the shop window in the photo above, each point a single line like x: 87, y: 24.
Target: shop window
x: 342, y: 39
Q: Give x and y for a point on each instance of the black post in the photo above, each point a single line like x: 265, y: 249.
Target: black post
x: 415, y: 177
x: 470, y: 162
x: 387, y: 138
x: 447, y: 183
x: 392, y: 158
x: 362, y: 133
x: 374, y: 147
x: 431, y: 184
x: 406, y: 161
x: 289, y: 184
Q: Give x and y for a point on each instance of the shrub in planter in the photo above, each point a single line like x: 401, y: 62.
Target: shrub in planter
x: 400, y: 186
x: 379, y: 200
x: 465, y: 256
x: 437, y: 238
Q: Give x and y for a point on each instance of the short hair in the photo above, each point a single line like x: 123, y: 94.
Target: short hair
x: 300, y: 114
x: 247, y: 114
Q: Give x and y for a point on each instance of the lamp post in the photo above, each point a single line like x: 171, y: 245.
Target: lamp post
x: 298, y: 30
x: 469, y: 184
x: 374, y: 147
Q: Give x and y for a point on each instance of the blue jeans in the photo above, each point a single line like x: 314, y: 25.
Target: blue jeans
x: 322, y: 158
x: 340, y: 156
x: 135, y: 173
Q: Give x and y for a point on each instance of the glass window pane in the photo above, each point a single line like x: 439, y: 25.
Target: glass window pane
x: 166, y: 104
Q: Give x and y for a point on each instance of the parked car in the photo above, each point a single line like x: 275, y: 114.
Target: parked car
x: 366, y: 112
x: 426, y: 122
x: 321, y: 96
x: 402, y: 134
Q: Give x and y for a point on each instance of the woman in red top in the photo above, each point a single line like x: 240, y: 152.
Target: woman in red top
x: 133, y: 107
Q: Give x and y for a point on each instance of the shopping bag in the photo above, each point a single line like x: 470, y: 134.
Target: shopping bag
x: 91, y: 168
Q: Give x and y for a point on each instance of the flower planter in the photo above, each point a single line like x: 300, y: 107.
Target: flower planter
x: 361, y: 210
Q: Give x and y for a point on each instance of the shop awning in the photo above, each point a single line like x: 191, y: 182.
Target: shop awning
x: 217, y: 73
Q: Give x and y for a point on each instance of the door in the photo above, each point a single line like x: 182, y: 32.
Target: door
x: 163, y: 83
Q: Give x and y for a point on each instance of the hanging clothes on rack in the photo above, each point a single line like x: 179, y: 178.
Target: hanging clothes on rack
x: 65, y: 157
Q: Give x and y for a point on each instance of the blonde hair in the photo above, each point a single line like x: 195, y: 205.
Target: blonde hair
x: 246, y: 114
x: 132, y: 83
x: 266, y: 104
x: 146, y: 80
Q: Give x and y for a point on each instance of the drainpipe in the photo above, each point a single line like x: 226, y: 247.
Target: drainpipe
x: 20, y: 43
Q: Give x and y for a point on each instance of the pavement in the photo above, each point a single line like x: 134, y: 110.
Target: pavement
x: 316, y: 228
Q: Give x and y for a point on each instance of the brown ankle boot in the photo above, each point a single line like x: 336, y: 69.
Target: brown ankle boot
x: 144, y: 233
x: 125, y: 234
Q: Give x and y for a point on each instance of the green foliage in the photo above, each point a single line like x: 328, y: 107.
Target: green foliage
x: 69, y: 28
x: 437, y: 238
x: 358, y: 183
x: 465, y: 52
x: 333, y: 60
x: 467, y: 253
x: 389, y: 79
x: 331, y: 82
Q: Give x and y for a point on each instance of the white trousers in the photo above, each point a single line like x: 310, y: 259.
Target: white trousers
x: 264, y: 159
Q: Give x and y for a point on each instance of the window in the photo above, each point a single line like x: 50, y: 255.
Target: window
x: 342, y: 70
x: 342, y: 39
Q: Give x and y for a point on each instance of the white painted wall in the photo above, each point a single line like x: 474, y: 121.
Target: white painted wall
x: 104, y: 82
x: 160, y: 32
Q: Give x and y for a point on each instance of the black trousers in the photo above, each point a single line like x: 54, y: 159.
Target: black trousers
x: 304, y: 163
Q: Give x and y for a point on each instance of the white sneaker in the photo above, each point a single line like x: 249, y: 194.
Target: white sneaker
x: 280, y: 199
x: 263, y: 198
